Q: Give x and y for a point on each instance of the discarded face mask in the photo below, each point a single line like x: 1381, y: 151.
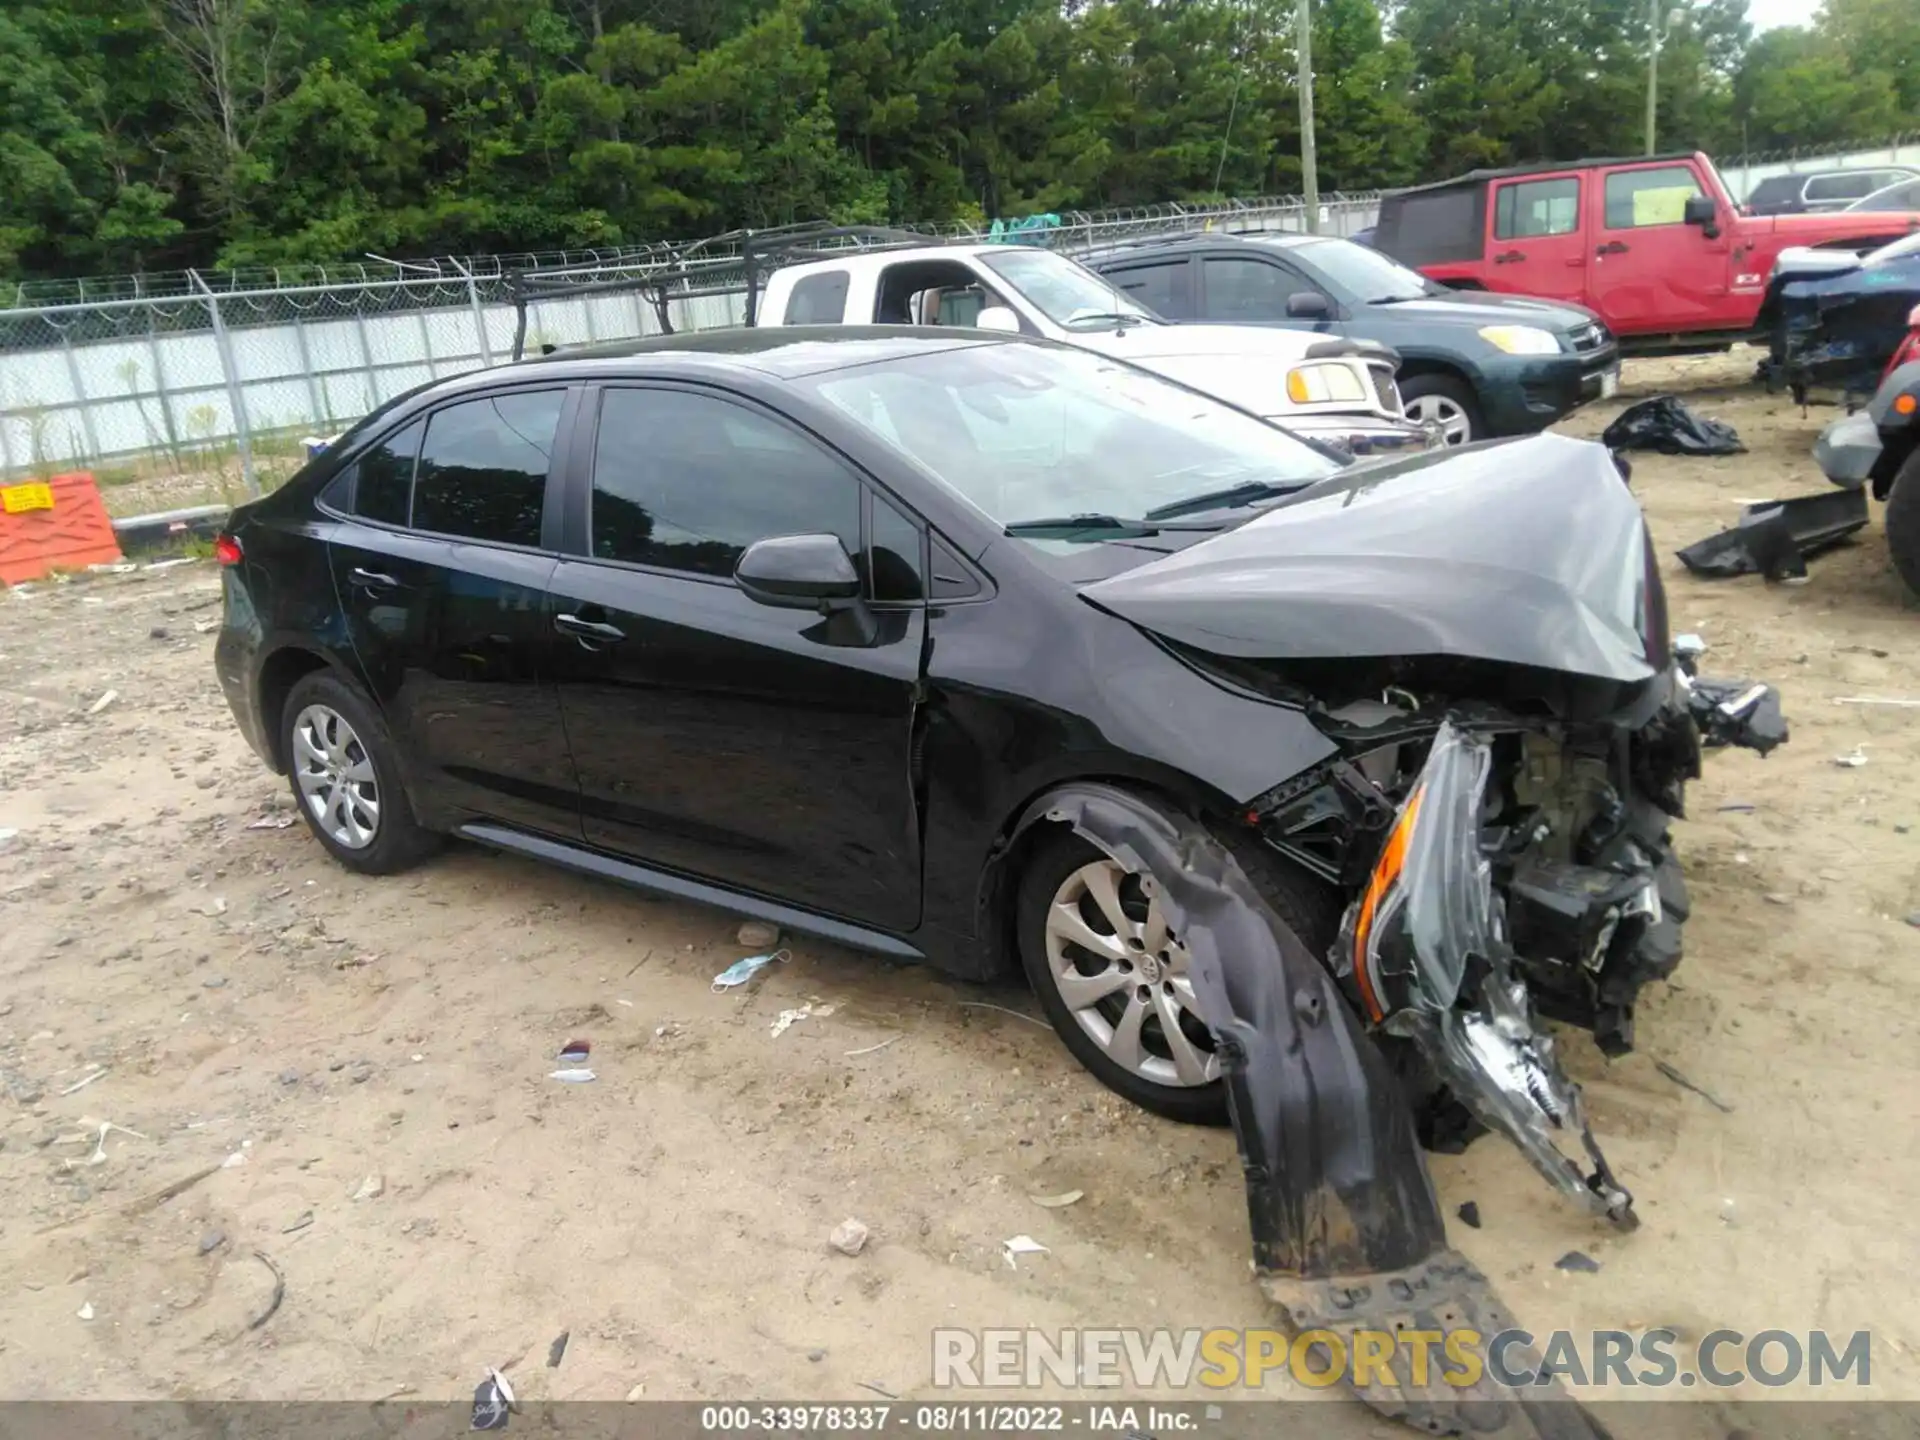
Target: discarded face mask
x: 1666, y: 425
x: 492, y: 1402
x: 741, y: 971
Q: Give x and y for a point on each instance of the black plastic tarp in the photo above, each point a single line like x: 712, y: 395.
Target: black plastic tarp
x: 1666, y: 425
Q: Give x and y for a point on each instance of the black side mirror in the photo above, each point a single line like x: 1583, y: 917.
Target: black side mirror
x: 1702, y: 211
x: 1309, y: 305
x: 798, y: 572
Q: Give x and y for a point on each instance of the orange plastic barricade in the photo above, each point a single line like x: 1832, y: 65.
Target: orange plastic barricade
x: 57, y: 524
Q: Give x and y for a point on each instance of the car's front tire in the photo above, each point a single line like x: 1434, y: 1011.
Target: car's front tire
x: 1113, y: 978
x: 1903, y: 522
x: 345, y: 774
x: 1444, y: 401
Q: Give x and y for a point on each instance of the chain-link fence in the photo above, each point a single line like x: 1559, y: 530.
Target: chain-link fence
x: 216, y: 379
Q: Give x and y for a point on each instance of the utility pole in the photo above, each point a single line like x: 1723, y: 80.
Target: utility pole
x: 1653, y: 68
x: 1309, y: 158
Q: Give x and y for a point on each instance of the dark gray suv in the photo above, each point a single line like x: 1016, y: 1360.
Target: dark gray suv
x: 1477, y: 364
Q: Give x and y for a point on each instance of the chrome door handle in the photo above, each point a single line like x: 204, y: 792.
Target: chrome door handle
x: 372, y: 579
x: 588, y: 629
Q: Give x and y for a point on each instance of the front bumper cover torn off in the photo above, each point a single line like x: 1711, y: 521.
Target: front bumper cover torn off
x: 1347, y: 1231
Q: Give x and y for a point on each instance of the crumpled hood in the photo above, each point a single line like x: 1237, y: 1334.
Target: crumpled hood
x: 1526, y: 552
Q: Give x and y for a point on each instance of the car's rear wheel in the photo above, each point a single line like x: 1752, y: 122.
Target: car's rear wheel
x: 345, y: 775
x: 1903, y: 522
x: 1446, y: 402
x: 1113, y: 976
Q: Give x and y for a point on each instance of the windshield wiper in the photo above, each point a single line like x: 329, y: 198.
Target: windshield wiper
x: 1065, y: 527
x: 1245, y: 493
x: 1104, y: 317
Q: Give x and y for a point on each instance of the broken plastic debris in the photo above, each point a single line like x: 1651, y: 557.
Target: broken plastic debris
x: 99, y: 1155
x: 575, y: 1052
x: 272, y: 822
x: 1853, y: 761
x: 574, y: 1076
x: 1469, y: 1213
x: 218, y: 907
x: 85, y: 1312
x: 103, y: 702
x: 1578, y: 1260
x: 1021, y: 1245
x: 789, y: 1018
x: 84, y: 1081
x: 492, y: 1402
x: 741, y: 971
x: 1058, y: 1202
x: 371, y: 1188
x: 849, y: 1237
x: 238, y: 1157
x: 1876, y: 700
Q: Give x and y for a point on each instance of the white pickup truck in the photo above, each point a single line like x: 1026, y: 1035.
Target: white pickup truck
x: 1340, y: 392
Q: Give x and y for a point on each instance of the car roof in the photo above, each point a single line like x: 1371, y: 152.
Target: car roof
x: 1279, y: 240
x: 1543, y: 167
x: 783, y: 351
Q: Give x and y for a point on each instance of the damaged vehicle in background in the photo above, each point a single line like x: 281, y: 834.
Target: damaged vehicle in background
x: 1835, y: 321
x: 1878, y: 449
x: 1300, y: 791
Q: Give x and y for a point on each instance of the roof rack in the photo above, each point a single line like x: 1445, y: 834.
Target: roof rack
x: 1480, y: 177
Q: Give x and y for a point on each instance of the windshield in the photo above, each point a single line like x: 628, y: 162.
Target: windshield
x: 1067, y: 293
x: 1902, y: 249
x: 1030, y: 432
x: 1367, y: 275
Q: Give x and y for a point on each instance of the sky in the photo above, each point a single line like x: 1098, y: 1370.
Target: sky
x: 1766, y: 14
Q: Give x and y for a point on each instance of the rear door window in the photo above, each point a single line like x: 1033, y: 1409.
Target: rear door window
x: 1534, y: 209
x: 1855, y: 186
x: 483, y: 467
x: 1638, y: 199
x: 1239, y: 289
x: 1164, y: 287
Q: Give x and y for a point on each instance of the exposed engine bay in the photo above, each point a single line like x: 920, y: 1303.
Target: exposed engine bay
x: 1507, y: 868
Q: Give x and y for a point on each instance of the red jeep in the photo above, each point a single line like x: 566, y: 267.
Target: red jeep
x: 1656, y: 247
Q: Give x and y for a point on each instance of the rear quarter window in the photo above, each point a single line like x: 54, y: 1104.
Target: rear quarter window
x: 819, y: 299
x: 1432, y: 227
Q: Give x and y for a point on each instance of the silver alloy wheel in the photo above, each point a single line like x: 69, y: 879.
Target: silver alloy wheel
x: 336, y: 777
x: 1439, y: 410
x: 1125, y: 977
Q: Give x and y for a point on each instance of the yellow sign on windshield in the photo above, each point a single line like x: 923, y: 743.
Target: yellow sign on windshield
x: 1662, y: 207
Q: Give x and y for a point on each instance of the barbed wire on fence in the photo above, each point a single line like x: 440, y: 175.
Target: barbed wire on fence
x: 170, y: 369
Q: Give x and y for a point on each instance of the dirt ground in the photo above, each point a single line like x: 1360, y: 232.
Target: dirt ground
x: 244, y: 1002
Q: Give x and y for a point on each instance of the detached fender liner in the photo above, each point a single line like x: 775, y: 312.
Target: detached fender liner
x: 1347, y: 1231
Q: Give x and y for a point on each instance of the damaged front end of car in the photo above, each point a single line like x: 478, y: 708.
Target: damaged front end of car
x: 1488, y: 648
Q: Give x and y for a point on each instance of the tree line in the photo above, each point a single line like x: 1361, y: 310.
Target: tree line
x: 146, y: 134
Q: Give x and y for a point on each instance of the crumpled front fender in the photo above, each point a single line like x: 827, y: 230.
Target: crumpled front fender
x: 1347, y: 1231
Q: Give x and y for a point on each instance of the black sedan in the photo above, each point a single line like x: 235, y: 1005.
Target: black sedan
x: 1005, y: 655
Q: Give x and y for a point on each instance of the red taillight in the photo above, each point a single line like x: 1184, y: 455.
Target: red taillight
x: 226, y: 550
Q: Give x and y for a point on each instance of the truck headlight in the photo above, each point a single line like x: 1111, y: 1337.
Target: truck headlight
x: 1521, y: 339
x: 1322, y: 384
